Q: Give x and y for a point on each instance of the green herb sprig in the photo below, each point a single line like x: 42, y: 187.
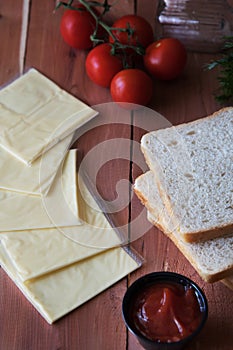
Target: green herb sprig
x: 225, y: 77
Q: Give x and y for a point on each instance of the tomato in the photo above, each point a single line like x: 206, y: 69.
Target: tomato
x: 131, y: 86
x: 101, y: 65
x: 142, y: 31
x: 76, y: 28
x: 165, y: 59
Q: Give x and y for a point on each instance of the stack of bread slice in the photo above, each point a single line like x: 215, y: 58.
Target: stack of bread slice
x: 188, y: 190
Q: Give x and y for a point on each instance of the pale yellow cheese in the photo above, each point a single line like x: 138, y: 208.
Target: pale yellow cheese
x: 36, y: 179
x: 25, y: 212
x: 35, y: 114
x: 38, y: 252
x: 63, y: 201
x: 56, y: 294
x: 68, y: 186
x: 95, y: 231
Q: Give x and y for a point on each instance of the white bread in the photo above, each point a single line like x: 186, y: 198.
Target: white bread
x: 193, y: 168
x: 212, y: 259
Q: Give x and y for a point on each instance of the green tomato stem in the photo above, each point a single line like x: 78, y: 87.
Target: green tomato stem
x: 116, y: 45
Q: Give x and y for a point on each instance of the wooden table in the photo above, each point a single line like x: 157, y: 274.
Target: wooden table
x: 29, y: 37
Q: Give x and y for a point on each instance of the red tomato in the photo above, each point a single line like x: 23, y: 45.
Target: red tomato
x: 165, y: 59
x: 76, y: 28
x: 101, y: 65
x: 143, y: 32
x: 131, y: 86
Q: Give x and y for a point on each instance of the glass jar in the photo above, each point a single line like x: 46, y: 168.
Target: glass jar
x: 200, y: 24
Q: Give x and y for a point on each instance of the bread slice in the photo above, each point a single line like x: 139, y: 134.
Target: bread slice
x: 193, y: 168
x: 212, y: 259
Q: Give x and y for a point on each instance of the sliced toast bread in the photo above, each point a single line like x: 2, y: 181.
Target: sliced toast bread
x: 193, y: 168
x: 212, y: 259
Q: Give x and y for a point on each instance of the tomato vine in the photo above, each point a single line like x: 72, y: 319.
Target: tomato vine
x: 116, y: 46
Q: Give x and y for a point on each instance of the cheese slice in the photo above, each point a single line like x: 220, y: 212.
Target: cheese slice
x: 15, y: 176
x: 38, y: 252
x: 96, y: 231
x: 68, y: 179
x: 62, y: 198
x: 56, y: 294
x: 26, y: 212
x: 35, y: 114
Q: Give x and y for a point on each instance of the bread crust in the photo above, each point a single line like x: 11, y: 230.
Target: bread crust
x: 193, y: 235
x: 209, y: 276
x: 200, y: 236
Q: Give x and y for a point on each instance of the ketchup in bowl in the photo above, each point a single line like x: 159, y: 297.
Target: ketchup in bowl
x: 164, y: 309
x: 167, y: 312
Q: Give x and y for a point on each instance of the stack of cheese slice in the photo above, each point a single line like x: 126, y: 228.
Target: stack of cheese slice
x: 188, y: 190
x: 40, y: 202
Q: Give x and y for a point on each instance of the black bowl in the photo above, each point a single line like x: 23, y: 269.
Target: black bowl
x: 154, y: 278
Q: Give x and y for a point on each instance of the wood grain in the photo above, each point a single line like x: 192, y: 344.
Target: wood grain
x: 10, y: 29
x: 98, y: 323
x: 190, y: 97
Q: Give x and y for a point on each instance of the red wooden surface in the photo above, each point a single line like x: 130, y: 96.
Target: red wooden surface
x: 98, y: 323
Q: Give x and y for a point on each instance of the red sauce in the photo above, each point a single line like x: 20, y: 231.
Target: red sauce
x: 166, y: 312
